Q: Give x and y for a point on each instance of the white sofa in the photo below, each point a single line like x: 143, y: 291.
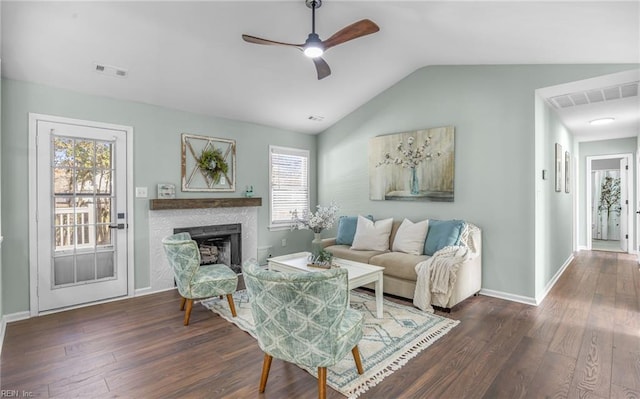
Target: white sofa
x: 400, y: 276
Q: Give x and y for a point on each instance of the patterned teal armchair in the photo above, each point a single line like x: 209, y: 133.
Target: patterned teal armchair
x: 195, y: 282
x: 303, y: 318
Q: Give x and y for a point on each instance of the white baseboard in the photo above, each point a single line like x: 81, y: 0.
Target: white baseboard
x: 16, y: 316
x: 8, y: 319
x: 583, y: 248
x: 142, y: 291
x: 3, y: 326
x: 509, y: 297
x: 554, y: 280
x: 149, y: 291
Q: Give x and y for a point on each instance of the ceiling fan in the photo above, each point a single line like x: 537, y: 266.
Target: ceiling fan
x: 313, y: 47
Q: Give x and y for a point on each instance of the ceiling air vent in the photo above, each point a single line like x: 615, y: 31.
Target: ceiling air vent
x: 111, y: 70
x: 595, y: 95
x: 629, y: 90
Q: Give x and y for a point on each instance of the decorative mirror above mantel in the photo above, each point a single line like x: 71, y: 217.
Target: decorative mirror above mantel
x: 208, y: 163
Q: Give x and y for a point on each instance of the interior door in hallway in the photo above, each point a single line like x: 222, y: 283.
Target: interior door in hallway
x: 624, y: 204
x: 81, y: 214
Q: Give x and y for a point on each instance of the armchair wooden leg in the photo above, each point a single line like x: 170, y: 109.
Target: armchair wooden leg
x: 183, y: 300
x: 266, y: 366
x: 232, y: 306
x: 187, y: 313
x: 356, y: 357
x: 322, y: 382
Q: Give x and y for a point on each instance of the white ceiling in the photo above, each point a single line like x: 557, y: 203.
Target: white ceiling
x: 190, y: 55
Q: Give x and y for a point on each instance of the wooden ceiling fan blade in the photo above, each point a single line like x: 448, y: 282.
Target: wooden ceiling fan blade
x: 258, y: 40
x: 355, y: 30
x: 321, y: 67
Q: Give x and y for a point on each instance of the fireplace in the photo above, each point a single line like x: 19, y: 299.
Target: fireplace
x: 218, y: 244
x: 163, y: 222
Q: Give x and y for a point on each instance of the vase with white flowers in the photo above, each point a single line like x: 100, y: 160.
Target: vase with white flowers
x: 410, y: 156
x: 323, y: 218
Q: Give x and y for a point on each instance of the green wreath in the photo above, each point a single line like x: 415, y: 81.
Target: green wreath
x: 212, y: 163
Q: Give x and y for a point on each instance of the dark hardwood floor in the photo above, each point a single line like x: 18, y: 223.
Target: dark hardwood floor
x: 583, y: 341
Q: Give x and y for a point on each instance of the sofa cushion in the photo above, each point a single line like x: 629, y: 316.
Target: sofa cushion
x: 398, y: 264
x: 347, y: 229
x: 372, y: 236
x: 442, y: 233
x: 410, y: 237
x: 344, y: 252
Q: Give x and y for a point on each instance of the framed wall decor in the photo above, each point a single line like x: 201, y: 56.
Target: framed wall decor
x: 166, y: 191
x: 559, y: 167
x: 413, y: 166
x: 567, y: 171
x: 208, y: 163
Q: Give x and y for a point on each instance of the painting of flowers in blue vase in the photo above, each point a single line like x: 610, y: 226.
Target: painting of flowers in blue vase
x: 413, y: 166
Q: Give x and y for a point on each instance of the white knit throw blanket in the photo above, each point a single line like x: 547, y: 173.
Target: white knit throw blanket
x: 437, y: 275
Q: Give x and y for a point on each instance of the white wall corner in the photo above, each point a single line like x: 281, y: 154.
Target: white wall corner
x: 554, y: 280
x: 509, y: 297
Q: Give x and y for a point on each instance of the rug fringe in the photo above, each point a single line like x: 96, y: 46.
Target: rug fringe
x: 409, y: 354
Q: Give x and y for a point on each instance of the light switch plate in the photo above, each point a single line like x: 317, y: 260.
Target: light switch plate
x: 141, y: 192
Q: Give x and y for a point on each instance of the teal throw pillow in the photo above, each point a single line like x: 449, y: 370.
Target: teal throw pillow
x: 442, y: 233
x: 347, y: 229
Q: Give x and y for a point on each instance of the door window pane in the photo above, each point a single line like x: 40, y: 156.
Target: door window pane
x: 86, y: 267
x: 105, y: 265
x: 63, y: 270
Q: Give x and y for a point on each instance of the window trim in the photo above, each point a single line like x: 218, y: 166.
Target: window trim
x: 274, y: 149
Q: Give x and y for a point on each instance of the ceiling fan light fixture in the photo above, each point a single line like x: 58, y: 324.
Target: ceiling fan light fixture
x: 601, y: 121
x: 313, y: 47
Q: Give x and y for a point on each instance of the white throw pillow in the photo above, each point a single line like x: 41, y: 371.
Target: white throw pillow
x: 410, y: 237
x: 372, y: 236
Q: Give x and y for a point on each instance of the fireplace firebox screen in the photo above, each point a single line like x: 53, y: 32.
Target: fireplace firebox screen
x: 218, y: 244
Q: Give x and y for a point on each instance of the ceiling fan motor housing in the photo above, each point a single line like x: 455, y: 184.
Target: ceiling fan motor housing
x: 313, y: 3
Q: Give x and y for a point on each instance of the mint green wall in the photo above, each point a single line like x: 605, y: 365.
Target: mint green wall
x: 492, y: 108
x: 1, y: 229
x: 554, y: 210
x: 156, y: 139
x: 594, y: 148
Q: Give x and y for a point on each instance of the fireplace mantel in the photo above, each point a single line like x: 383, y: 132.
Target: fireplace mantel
x: 199, y: 203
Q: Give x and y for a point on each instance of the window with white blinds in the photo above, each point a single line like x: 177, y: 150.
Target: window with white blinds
x: 289, y: 183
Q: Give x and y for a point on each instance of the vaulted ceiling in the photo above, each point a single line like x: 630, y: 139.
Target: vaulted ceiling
x: 190, y: 55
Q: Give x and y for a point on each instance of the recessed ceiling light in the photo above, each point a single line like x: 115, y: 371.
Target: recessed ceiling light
x: 601, y: 121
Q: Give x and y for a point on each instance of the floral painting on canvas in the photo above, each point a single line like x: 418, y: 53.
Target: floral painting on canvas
x: 415, y: 166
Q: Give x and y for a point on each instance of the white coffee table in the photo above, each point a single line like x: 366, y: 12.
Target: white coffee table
x: 358, y: 273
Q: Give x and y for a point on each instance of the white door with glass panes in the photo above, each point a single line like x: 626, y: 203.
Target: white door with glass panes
x: 81, y: 214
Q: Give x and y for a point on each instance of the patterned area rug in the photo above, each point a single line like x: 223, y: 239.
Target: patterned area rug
x: 387, y: 345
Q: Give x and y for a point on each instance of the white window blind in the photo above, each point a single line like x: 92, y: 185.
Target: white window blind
x: 289, y: 183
